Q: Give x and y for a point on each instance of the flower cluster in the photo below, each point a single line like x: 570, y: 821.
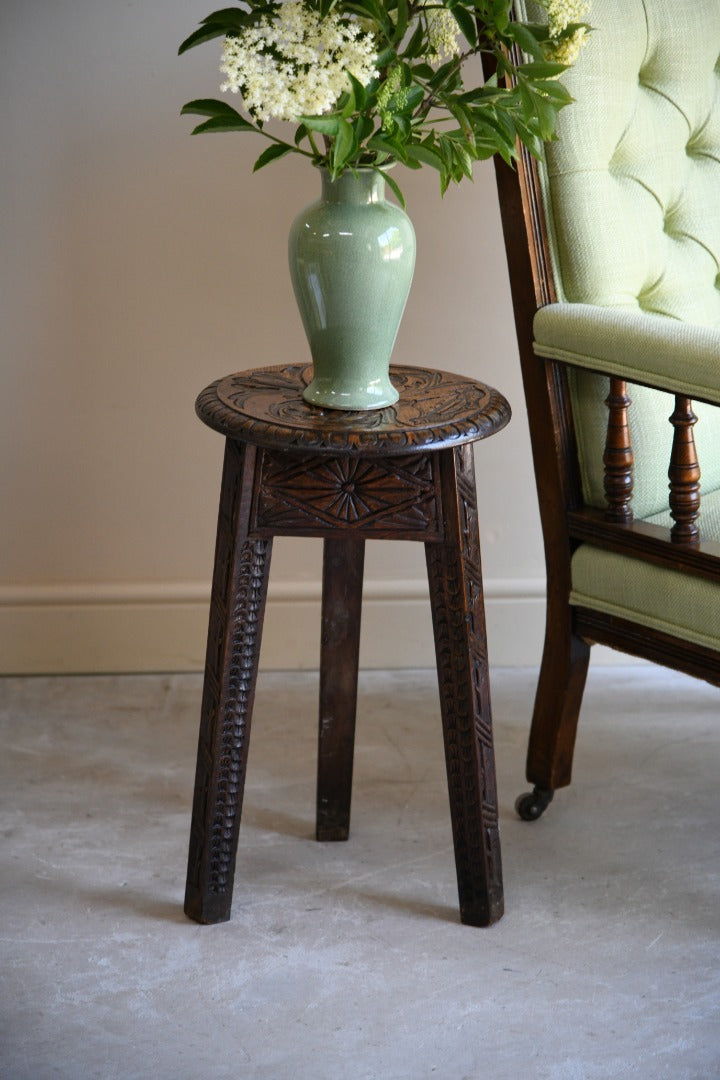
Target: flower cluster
x: 442, y: 33
x: 297, y: 64
x: 561, y: 14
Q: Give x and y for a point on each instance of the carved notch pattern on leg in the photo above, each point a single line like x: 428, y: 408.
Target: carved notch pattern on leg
x: 456, y: 584
x: 235, y: 718
x: 479, y: 706
x: 236, y: 611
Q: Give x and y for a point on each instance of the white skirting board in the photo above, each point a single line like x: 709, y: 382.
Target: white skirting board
x: 74, y: 629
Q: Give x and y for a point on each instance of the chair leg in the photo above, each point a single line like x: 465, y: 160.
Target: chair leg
x: 343, y: 562
x: 237, y: 606
x: 456, y: 598
x: 557, y: 709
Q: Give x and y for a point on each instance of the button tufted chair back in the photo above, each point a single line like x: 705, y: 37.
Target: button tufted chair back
x: 632, y: 199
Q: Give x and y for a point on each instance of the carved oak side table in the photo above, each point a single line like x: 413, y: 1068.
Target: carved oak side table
x: 405, y: 472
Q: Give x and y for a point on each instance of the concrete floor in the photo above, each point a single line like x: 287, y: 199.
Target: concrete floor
x: 347, y: 961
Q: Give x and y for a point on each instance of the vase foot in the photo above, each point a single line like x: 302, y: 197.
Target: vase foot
x: 327, y: 394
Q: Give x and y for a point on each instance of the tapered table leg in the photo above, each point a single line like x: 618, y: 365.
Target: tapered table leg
x: 236, y: 613
x: 343, y: 562
x: 456, y: 597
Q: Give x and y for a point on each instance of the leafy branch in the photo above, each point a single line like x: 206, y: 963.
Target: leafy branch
x: 414, y: 107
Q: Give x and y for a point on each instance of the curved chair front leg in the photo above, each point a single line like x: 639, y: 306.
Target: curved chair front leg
x: 557, y: 709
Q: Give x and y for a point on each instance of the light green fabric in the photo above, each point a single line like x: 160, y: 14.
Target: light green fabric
x: 666, y: 600
x: 680, y: 356
x: 654, y: 596
x: 632, y: 200
x: 634, y: 177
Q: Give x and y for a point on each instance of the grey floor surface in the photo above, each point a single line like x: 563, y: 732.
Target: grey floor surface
x: 347, y: 961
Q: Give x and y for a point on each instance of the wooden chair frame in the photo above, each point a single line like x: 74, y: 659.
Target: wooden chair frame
x: 567, y: 521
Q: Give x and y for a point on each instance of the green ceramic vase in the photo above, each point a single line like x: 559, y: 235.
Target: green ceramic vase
x: 352, y: 256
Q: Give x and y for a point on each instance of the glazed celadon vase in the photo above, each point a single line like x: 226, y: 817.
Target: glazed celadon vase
x: 352, y: 256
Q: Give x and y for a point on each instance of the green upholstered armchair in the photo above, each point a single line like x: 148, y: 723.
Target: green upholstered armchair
x: 613, y: 245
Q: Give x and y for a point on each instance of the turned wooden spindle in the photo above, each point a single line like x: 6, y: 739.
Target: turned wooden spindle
x: 684, y: 474
x: 618, y: 457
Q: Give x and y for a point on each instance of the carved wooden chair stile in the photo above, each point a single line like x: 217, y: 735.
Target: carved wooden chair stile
x: 613, y: 247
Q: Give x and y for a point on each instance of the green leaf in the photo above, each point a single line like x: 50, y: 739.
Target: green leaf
x: 422, y: 71
x: 462, y: 116
x: 224, y: 15
x: 226, y: 21
x: 363, y: 126
x: 385, y: 57
x: 544, y: 69
x: 415, y: 45
x: 394, y: 187
x: 414, y: 96
x: 442, y: 73
x: 424, y: 154
x: 210, y: 107
x: 221, y: 23
x: 374, y: 10
x: 525, y: 38
x: 326, y: 125
x: 402, y: 20
x: 223, y: 123
x: 204, y: 33
x: 540, y: 31
x: 547, y: 116
x: 463, y: 160
x: 555, y: 90
x: 501, y: 14
x: 387, y: 145
x: 346, y: 103
x: 359, y: 92
x: 274, y: 151
x: 343, y: 146
x: 467, y: 24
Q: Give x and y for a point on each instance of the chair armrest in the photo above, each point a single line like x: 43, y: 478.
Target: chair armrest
x: 652, y: 349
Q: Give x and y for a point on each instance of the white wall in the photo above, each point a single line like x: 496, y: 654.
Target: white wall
x: 138, y: 264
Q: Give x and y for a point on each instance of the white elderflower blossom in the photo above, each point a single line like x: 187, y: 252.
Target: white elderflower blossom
x: 561, y: 13
x: 297, y: 64
x: 442, y: 32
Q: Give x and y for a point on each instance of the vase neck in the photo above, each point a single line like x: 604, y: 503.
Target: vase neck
x: 362, y: 186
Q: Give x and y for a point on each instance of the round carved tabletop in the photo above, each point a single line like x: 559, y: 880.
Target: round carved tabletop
x: 436, y: 410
